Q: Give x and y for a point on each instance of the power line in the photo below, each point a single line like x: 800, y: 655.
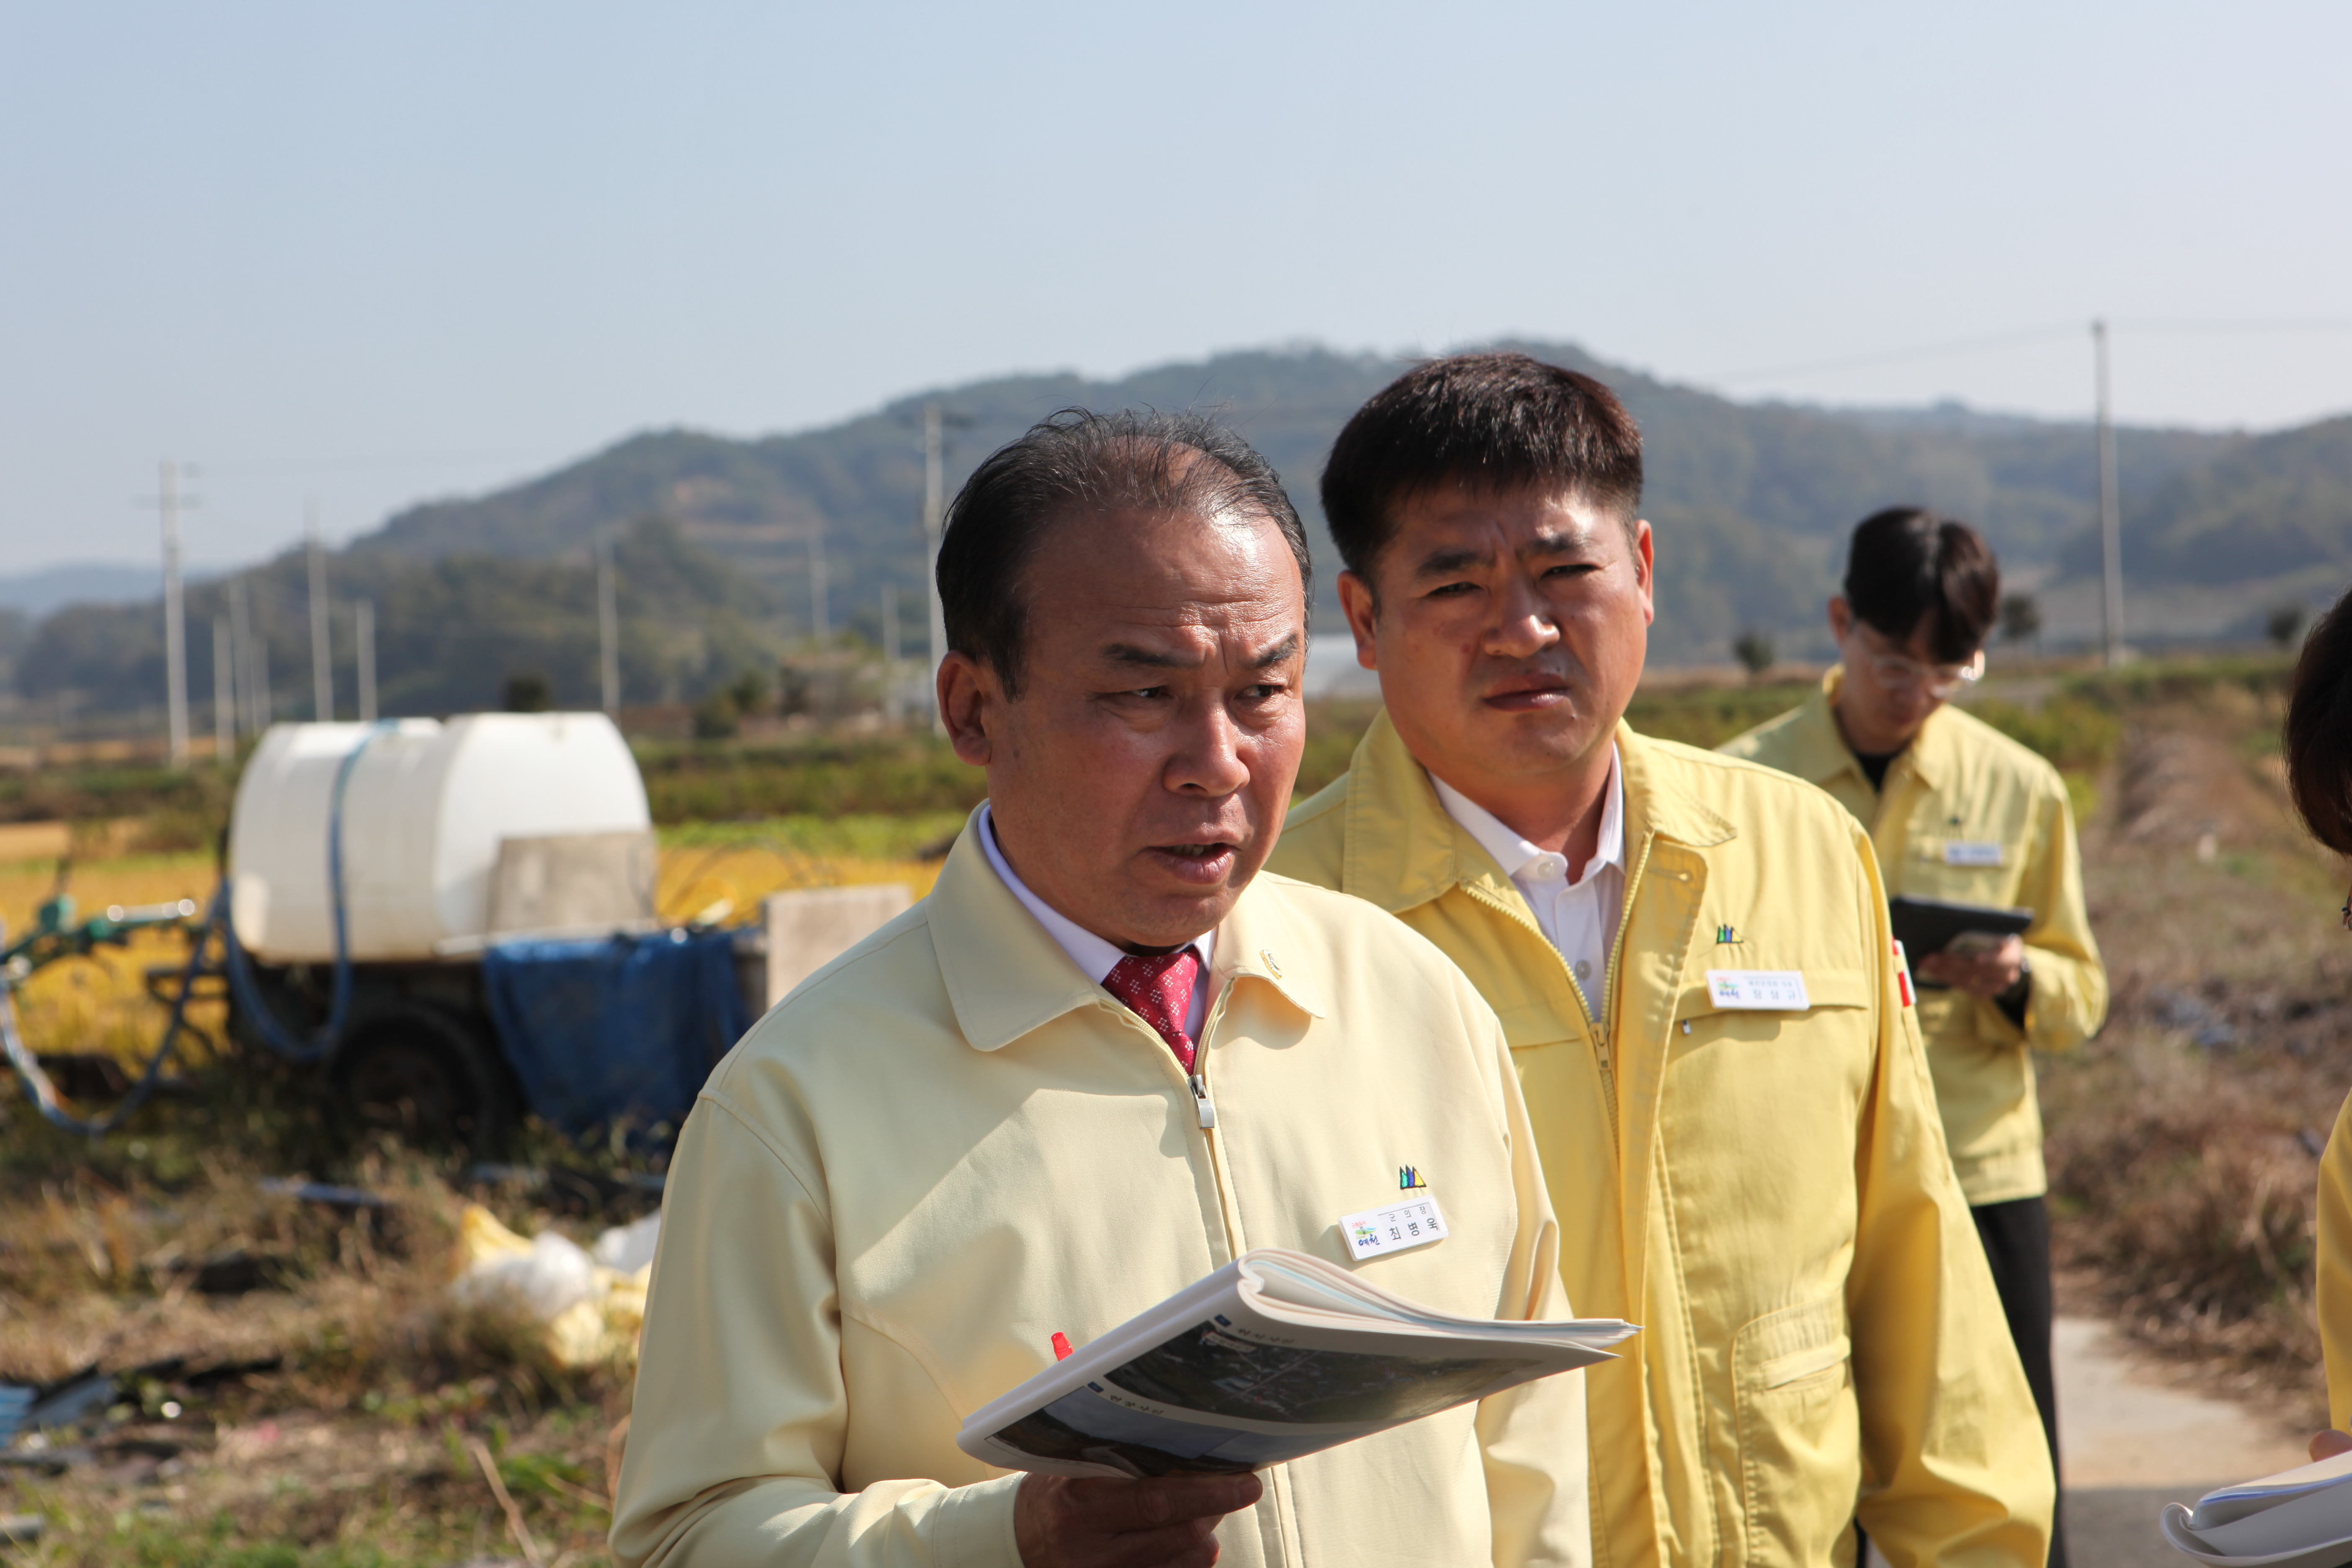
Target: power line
x: 2313, y: 324
x: 1955, y: 347
x: 1905, y: 355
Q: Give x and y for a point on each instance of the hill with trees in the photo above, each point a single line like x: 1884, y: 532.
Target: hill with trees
x: 2270, y: 506
x: 730, y: 550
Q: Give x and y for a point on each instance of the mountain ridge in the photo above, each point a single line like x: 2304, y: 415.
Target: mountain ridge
x: 1751, y: 503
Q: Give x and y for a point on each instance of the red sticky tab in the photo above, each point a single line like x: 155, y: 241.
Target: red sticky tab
x: 1061, y: 1345
x: 1902, y: 972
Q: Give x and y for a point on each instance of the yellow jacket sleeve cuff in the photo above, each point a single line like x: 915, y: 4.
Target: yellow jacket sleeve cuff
x: 975, y: 1528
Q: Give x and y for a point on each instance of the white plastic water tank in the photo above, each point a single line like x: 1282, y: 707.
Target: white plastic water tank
x: 426, y: 808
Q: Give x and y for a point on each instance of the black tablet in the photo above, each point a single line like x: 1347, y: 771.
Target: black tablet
x: 1930, y: 925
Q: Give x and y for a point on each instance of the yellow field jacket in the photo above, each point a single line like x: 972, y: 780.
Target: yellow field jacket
x: 1969, y: 815
x: 2336, y: 1267
x: 1768, y: 1193
x: 950, y: 1145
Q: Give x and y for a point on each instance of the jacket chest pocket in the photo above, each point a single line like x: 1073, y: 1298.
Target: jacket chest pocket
x: 1965, y: 865
x: 1799, y: 1079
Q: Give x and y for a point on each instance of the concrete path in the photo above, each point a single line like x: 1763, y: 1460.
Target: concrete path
x: 2130, y: 1444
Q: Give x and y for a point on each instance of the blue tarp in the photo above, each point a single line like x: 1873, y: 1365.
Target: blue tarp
x: 615, y: 1029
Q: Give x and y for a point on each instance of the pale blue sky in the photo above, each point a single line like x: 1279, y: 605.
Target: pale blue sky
x: 368, y: 254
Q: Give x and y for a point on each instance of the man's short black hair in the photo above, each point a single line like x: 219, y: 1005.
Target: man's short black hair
x: 1908, y: 564
x: 1077, y: 464
x: 2319, y: 740
x: 1487, y: 421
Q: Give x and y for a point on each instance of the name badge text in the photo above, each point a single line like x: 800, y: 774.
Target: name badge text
x: 1759, y: 990
x: 1395, y: 1228
x: 1970, y: 852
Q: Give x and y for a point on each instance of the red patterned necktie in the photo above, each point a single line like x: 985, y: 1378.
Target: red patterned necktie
x: 1159, y: 988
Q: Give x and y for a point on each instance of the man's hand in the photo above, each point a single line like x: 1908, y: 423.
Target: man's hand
x: 2328, y: 1444
x: 1161, y: 1522
x: 1987, y: 973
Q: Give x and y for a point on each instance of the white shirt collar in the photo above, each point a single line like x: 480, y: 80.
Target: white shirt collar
x: 1515, y: 854
x: 1095, y: 957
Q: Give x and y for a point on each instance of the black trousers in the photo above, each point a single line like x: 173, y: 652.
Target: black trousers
x: 2016, y: 1237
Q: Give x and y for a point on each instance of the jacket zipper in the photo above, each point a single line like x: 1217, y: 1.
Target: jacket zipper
x: 1617, y: 948
x: 1595, y: 1029
x: 1205, y: 1111
x: 1204, y: 1108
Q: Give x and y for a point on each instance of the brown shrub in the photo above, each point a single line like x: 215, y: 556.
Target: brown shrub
x: 2193, y: 1192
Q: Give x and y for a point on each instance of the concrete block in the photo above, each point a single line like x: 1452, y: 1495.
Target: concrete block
x: 810, y: 928
x: 574, y: 882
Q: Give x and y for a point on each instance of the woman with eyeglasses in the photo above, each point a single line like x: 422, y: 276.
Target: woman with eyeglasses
x: 2319, y: 774
x: 1961, y: 812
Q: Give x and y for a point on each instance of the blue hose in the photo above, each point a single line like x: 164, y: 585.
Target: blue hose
x: 275, y: 1035
x: 239, y: 969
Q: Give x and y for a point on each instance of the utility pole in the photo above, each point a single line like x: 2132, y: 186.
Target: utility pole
x: 322, y: 668
x: 223, y: 692
x: 240, y: 630
x: 169, y: 501
x: 934, y: 511
x: 363, y: 648
x: 608, y: 627
x: 2111, y: 520
x: 265, y: 706
x: 890, y: 651
x: 820, y: 617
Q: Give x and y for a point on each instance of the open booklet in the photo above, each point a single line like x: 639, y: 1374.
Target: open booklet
x: 2297, y: 1518
x: 1275, y: 1356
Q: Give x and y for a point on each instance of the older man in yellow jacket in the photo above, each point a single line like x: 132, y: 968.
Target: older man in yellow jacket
x: 1691, y: 959
x: 1102, y: 1059
x: 1959, y: 812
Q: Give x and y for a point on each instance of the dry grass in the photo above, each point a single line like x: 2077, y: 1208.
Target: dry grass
x: 2183, y: 1142
x: 348, y: 1444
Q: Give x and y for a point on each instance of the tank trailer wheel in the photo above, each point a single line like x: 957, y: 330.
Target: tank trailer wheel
x: 425, y: 1078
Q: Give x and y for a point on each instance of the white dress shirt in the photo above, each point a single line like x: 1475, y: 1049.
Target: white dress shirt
x: 1095, y: 957
x: 1579, y: 918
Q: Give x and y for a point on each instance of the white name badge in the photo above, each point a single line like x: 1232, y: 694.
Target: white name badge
x: 1970, y: 852
x: 1398, y: 1227
x: 1759, y: 990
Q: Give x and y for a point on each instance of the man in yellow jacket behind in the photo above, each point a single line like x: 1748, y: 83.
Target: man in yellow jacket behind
x: 1102, y: 1059
x: 1959, y: 812
x: 1691, y: 960
x: 2319, y: 775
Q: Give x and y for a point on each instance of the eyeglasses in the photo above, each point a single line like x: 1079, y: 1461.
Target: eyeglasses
x: 1894, y: 672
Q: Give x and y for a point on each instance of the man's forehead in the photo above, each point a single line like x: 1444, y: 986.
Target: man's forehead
x: 1455, y: 527
x: 1540, y: 510
x: 1123, y: 586
x: 1187, y: 636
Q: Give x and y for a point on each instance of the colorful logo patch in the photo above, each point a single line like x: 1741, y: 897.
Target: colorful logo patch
x: 1409, y: 1179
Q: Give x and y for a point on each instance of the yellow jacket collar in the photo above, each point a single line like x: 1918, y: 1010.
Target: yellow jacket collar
x: 1006, y: 976
x: 1403, y: 849
x: 1825, y: 754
